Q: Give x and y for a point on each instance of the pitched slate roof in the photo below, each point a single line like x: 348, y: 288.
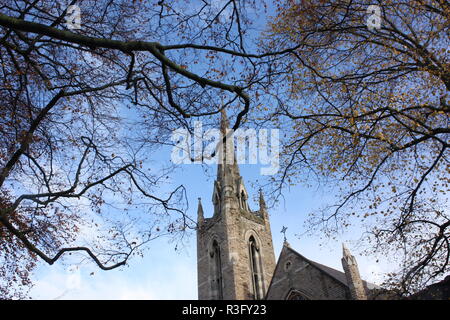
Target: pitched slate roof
x: 335, y: 274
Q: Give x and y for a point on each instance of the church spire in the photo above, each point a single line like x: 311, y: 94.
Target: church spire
x: 227, y: 157
x: 229, y: 186
x: 228, y: 175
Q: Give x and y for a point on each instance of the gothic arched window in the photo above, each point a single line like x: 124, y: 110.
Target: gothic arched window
x: 296, y: 295
x: 255, y: 265
x: 217, y: 272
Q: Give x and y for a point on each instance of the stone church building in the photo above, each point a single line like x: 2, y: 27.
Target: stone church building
x: 235, y: 254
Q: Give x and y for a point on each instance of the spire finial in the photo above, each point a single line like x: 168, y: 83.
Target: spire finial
x: 200, y: 211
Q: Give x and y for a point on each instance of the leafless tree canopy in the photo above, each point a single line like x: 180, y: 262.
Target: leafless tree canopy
x: 84, y: 111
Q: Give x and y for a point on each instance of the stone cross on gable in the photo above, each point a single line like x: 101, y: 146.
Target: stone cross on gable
x: 283, y: 231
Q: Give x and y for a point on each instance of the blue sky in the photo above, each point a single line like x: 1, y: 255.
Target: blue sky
x: 166, y: 273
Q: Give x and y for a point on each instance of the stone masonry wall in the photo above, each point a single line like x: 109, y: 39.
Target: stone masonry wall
x: 295, y: 273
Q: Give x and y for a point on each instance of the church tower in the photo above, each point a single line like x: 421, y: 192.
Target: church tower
x: 235, y: 256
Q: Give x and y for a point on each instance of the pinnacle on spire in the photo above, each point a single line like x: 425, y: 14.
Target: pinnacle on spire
x: 354, y: 281
x: 200, y: 213
x: 262, y: 202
